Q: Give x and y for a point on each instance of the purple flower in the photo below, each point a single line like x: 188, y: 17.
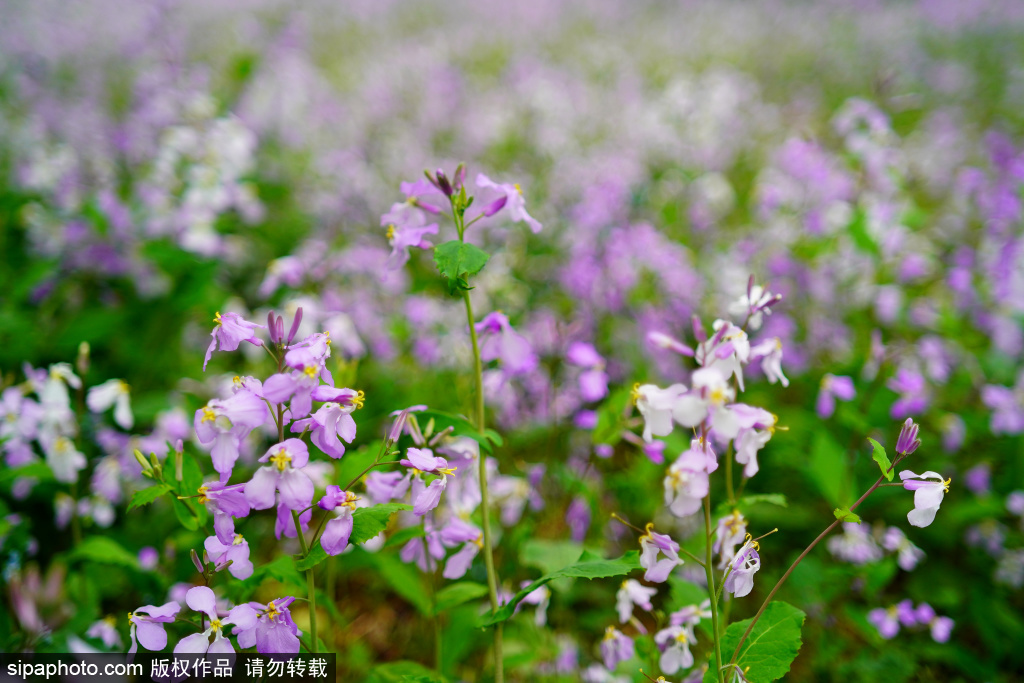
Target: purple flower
x: 230, y: 331
x: 756, y: 427
x: 664, y: 341
x: 954, y: 431
x: 337, y: 531
x: 147, y: 627
x: 886, y: 621
x: 979, y: 479
x: 908, y: 554
x: 273, y: 632
x: 746, y: 563
x: 402, y: 238
x: 577, y: 516
x: 593, y: 381
x: 754, y: 304
x: 237, y: 552
x: 616, y: 647
x: 226, y: 423
x: 332, y: 420
x: 728, y: 534
x: 906, y: 613
x: 513, y: 200
x: 149, y: 558
x: 653, y: 544
x: 202, y: 599
x: 1007, y: 406
x: 913, y: 391
x: 284, y: 474
x: 941, y: 627
x: 498, y: 341
x: 769, y: 352
x: 284, y: 524
x: 457, y: 532
x: 422, y: 460
x: 424, y: 551
x: 686, y: 482
x: 928, y: 488
x: 632, y: 592
x: 226, y: 503
x: 833, y: 387
x: 855, y: 545
x: 105, y: 630
x: 674, y: 643
x: 384, y: 486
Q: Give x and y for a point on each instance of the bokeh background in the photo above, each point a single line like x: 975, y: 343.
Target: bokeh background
x: 161, y: 161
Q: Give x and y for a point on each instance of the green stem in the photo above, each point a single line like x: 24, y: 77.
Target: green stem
x: 492, y: 579
x: 728, y: 476
x: 789, y: 571
x: 310, y: 585
x: 709, y: 571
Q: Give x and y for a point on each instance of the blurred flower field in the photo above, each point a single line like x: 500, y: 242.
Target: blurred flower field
x: 686, y: 290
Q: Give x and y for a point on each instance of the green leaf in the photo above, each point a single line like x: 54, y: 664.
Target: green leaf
x: 460, y: 427
x: 458, y: 593
x: 366, y: 523
x: 457, y: 260
x: 185, y: 514
x: 879, y: 455
x: 769, y: 498
x: 105, y: 550
x: 404, y: 672
x: 769, y: 649
x: 38, y: 470
x: 549, y: 556
x: 844, y: 515
x: 828, y: 468
x: 147, y: 496
x: 402, y: 536
x: 588, y: 566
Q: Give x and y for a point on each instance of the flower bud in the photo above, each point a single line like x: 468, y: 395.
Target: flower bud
x: 495, y: 206
x: 82, y: 362
x: 272, y: 328
x: 295, y: 325
x: 147, y: 470
x: 698, y: 329
x: 196, y: 561
x: 443, y: 184
x: 459, y: 179
x: 908, y: 442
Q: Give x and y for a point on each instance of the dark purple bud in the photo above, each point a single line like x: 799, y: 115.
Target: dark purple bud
x: 443, y: 184
x: 460, y: 177
x: 429, y: 208
x: 495, y: 206
x: 750, y: 288
x: 698, y: 329
x: 908, y: 442
x: 223, y: 565
x: 196, y: 561
x: 272, y: 328
x: 295, y: 325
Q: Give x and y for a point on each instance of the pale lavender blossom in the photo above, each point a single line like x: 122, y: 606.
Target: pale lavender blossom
x: 631, y: 593
x: 1007, y: 406
x: 769, y: 352
x: 226, y: 503
x: 515, y: 203
x: 729, y: 533
x: 653, y: 544
x: 273, y: 632
x: 747, y: 562
x: 498, y: 341
x: 105, y: 630
x: 913, y: 391
x: 237, y: 553
x: 337, y: 532
x: 886, y: 620
x: 978, y: 479
x: 283, y: 473
x: 147, y: 626
x: 674, y: 643
x: 459, y: 532
x: 226, y: 423
x: 657, y: 406
x: 593, y: 381
x: 908, y: 555
x: 202, y: 599
x: 686, y: 482
x: 332, y: 420
x: 577, y: 516
x: 616, y: 647
x: 230, y: 331
x: 855, y: 545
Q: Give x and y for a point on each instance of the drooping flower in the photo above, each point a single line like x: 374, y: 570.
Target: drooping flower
x: 455, y: 532
x: 727, y: 350
x: 653, y: 544
x: 632, y: 592
x: 746, y: 563
x: 514, y: 201
x: 237, y: 552
x: 928, y: 488
x: 202, y: 599
x: 833, y: 387
x: 284, y: 474
x: 616, y: 647
x: 756, y: 427
x: 226, y: 423
x: 64, y: 459
x: 114, y: 393
x: 273, y: 632
x: 147, y: 627
x: 230, y: 331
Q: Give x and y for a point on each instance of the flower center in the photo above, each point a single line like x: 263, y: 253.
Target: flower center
x: 609, y: 633
x: 272, y: 611
x: 238, y: 540
x: 358, y: 400
x: 635, y: 395
x: 310, y: 371
x: 203, y: 498
x: 215, y: 624
x: 216, y: 318
x: 390, y: 233
x: 945, y: 485
x: 281, y: 459
x: 208, y: 415
x: 447, y: 471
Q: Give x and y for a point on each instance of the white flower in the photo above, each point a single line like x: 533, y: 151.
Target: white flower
x: 676, y: 643
x: 928, y: 488
x: 113, y: 392
x: 686, y: 483
x: 632, y: 593
x: 711, y: 395
x: 657, y: 406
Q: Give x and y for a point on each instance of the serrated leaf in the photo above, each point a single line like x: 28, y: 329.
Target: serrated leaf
x: 844, y: 515
x: 882, y: 458
x: 458, y: 593
x: 105, y: 550
x: 589, y: 566
x: 147, y: 496
x: 769, y: 649
x: 366, y: 523
x: 457, y: 260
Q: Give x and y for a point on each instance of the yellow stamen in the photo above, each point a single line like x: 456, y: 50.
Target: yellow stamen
x: 310, y: 371
x: 238, y: 540
x: 131, y: 617
x: 945, y: 485
x: 215, y: 624
x: 111, y: 620
x: 208, y: 415
x: 390, y: 234
x: 447, y: 471
x: 281, y: 459
x: 272, y: 611
x: 634, y: 395
x: 609, y: 633
x: 358, y: 400
x: 647, y: 531
x: 518, y: 189
x: 216, y: 318
x: 203, y: 498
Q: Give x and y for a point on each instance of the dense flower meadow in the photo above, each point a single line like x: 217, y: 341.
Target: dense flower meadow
x: 695, y: 353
